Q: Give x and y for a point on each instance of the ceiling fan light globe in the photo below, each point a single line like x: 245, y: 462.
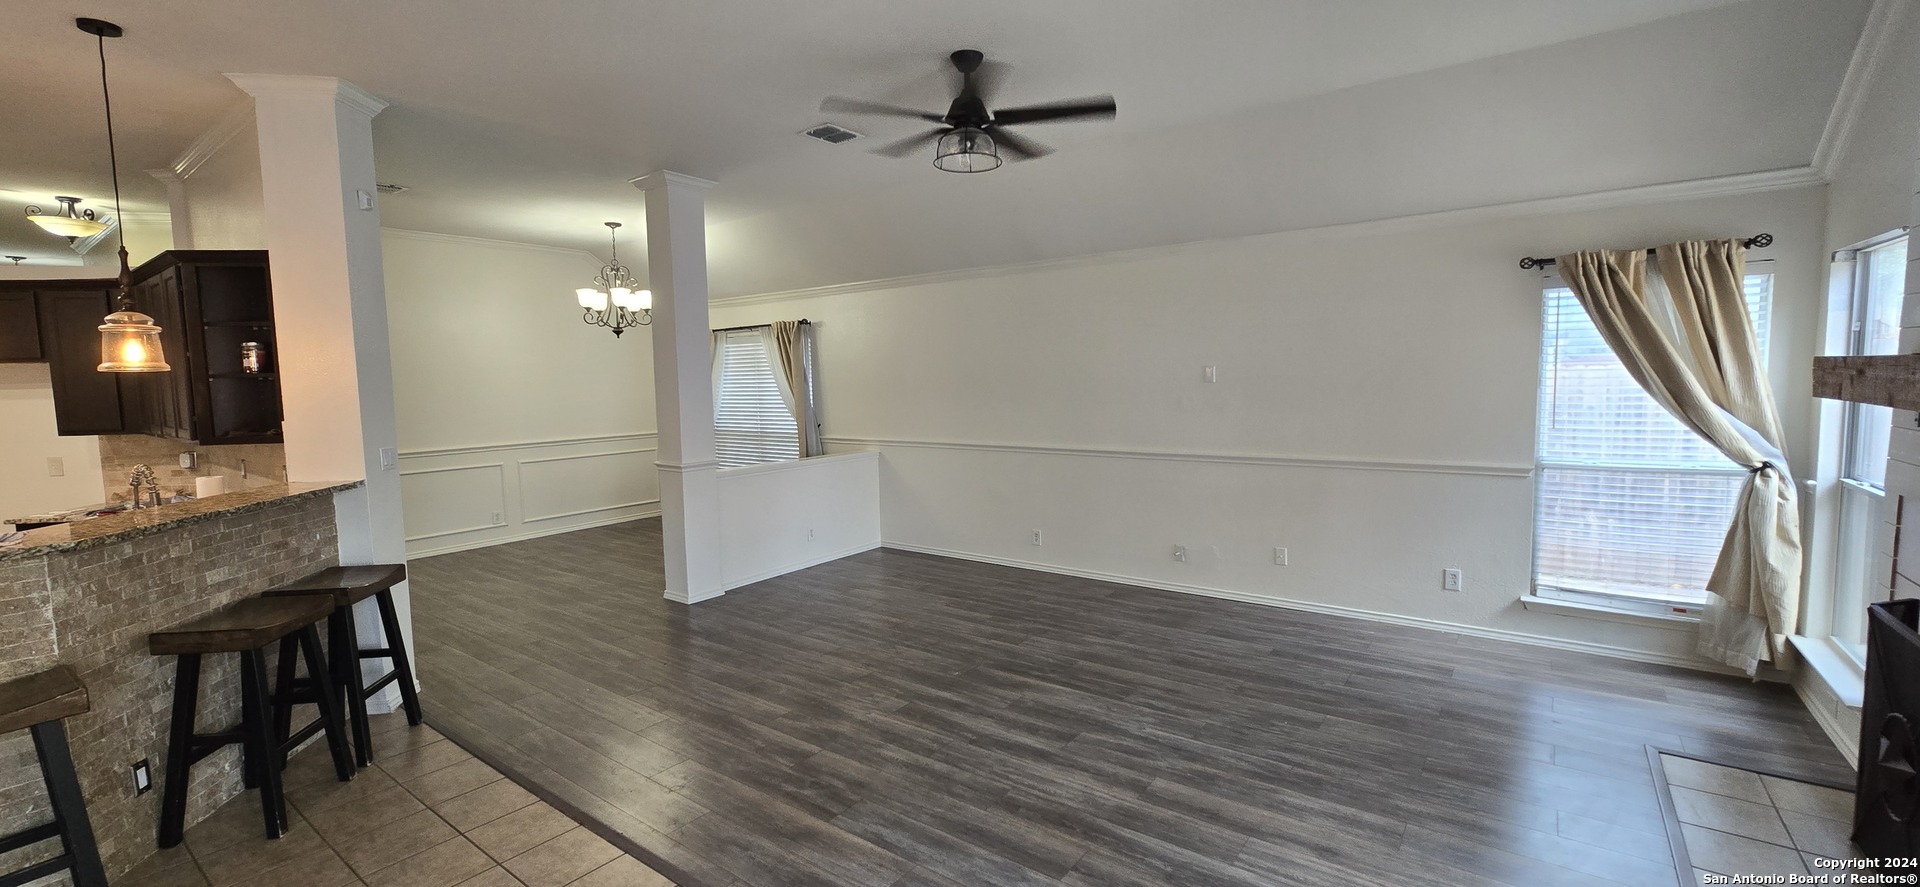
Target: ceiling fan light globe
x: 966, y: 150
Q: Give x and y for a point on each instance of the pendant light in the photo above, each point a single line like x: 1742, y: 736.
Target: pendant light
x: 129, y: 340
x: 614, y: 302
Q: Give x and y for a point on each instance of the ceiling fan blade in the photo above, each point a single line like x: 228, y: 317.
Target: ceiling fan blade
x: 1072, y: 109
x: 910, y: 144
x: 838, y: 105
x: 1021, y: 147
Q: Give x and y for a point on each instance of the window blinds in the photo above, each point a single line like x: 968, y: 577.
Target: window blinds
x: 750, y: 421
x: 1629, y: 502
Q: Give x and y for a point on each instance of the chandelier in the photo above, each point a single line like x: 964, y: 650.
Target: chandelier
x: 613, y: 301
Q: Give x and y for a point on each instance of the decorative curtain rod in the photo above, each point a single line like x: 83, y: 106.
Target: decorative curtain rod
x: 755, y: 326
x: 1757, y: 241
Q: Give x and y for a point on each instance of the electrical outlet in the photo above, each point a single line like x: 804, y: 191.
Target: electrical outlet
x: 1279, y: 557
x: 1450, y: 580
x: 496, y: 519
x: 1180, y: 553
x: 56, y: 466
x: 142, y: 777
x: 1036, y: 537
x: 1207, y: 374
x: 809, y: 533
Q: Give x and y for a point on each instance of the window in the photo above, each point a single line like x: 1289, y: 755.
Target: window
x: 1873, y: 327
x: 750, y: 419
x: 1631, y: 507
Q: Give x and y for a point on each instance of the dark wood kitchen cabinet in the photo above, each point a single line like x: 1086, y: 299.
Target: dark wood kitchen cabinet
x: 66, y: 317
x: 19, y: 329
x: 208, y: 304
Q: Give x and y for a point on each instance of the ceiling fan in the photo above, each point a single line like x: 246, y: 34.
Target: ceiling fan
x: 969, y: 136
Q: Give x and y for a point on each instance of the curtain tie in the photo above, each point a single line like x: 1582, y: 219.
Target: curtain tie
x: 1763, y: 466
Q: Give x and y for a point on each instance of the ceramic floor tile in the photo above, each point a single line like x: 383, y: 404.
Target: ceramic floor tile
x: 168, y: 868
x: 563, y: 860
x: 623, y: 871
x: 1702, y: 776
x: 444, y: 865
x: 451, y: 782
x: 520, y: 831
x: 250, y: 858
x: 1819, y: 835
x: 484, y: 804
x: 237, y: 820
x: 343, y: 823
x: 1803, y: 797
x: 1732, y: 815
x: 1734, y: 855
x: 415, y: 762
x: 493, y: 877
x: 396, y: 841
x: 322, y: 796
x: 320, y: 868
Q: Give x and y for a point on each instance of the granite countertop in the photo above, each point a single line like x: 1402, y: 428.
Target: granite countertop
x: 107, y: 529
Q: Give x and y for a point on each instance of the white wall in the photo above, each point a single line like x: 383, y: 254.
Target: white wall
x: 1873, y: 191
x: 1374, y: 411
x: 224, y: 202
x: 27, y: 441
x: 784, y: 516
x: 508, y: 404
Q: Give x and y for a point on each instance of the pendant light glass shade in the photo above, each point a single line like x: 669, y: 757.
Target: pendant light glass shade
x: 70, y: 221
x: 130, y: 343
x: 966, y: 150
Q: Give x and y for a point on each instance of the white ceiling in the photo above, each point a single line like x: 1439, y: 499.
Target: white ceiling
x: 523, y: 121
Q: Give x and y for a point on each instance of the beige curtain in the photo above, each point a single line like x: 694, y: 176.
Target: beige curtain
x: 1692, y: 347
x: 792, y: 343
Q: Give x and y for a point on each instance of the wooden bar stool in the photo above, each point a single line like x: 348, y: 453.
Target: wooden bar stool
x: 246, y: 628
x: 39, y: 702
x: 349, y: 586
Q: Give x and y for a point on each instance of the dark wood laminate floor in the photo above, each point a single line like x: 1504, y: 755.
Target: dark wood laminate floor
x: 898, y: 719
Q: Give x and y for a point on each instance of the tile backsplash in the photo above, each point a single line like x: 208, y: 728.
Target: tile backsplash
x: 260, y: 463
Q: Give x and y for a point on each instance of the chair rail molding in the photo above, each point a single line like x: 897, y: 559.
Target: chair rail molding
x: 1421, y: 466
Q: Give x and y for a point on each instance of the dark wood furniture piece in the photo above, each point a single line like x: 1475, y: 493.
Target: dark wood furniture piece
x: 207, y: 302
x: 247, y: 628
x: 347, y: 586
x: 19, y: 329
x: 1887, y: 792
x: 39, y: 703
x: 56, y: 322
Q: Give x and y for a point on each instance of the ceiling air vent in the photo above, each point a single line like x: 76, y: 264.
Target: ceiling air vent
x: 831, y: 134
x: 388, y: 188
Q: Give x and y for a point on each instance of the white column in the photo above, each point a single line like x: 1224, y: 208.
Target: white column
x: 177, y: 213
x: 683, y: 383
x: 330, y: 306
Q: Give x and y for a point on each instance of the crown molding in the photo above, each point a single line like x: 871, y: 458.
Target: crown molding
x: 300, y: 85
x: 1869, y: 55
x: 662, y: 178
x: 84, y: 245
x: 1694, y: 189
x: 467, y: 240
x: 236, y: 120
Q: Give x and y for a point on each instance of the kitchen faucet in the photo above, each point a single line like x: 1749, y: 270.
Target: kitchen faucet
x: 142, y: 474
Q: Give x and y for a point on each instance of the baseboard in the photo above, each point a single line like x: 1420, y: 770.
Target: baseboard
x: 1607, y: 650
x: 1830, y: 725
x: 490, y: 541
x: 801, y: 565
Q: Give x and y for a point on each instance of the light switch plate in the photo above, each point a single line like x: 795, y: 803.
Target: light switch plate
x: 366, y: 200
x: 56, y: 466
x: 389, y: 459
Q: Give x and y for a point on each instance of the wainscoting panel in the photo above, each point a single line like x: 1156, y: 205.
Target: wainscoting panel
x: 463, y: 499
x: 459, y: 498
